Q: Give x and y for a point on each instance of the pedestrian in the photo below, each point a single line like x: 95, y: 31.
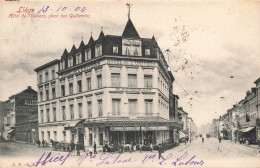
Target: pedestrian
x: 160, y: 150
x: 95, y: 148
x: 78, y: 149
x: 90, y: 152
x: 39, y: 143
x: 202, y: 139
x: 72, y: 147
x: 151, y: 147
x: 43, y: 142
x: 219, y: 139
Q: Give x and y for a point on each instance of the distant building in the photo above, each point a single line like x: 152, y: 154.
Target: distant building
x: 17, y: 127
x: 242, y: 120
x: 4, y: 109
x: 215, y: 127
x: 183, y: 116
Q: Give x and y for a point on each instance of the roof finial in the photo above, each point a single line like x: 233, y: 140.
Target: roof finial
x: 82, y: 36
x: 101, y: 28
x: 129, y: 7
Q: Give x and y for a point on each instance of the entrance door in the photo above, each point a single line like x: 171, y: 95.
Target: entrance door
x: 81, y: 138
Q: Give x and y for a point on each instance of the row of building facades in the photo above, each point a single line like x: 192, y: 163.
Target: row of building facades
x: 115, y: 90
x: 242, y: 120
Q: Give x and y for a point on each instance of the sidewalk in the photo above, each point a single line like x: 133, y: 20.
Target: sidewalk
x: 250, y: 145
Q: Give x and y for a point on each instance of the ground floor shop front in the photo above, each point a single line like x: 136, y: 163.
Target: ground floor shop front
x: 112, y: 134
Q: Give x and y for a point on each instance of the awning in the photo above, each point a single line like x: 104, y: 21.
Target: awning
x: 181, y: 135
x: 247, y: 129
x: 9, y: 131
x: 71, y: 124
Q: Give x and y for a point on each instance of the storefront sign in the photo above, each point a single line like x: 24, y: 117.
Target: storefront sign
x: 134, y: 89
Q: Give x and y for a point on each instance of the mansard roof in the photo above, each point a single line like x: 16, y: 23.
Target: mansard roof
x: 130, y: 30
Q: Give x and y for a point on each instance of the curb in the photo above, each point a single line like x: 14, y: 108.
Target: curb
x: 184, y: 147
x: 250, y: 146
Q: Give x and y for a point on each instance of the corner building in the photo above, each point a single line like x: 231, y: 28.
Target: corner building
x: 114, y: 89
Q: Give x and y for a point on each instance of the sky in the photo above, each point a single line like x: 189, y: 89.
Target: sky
x: 209, y: 41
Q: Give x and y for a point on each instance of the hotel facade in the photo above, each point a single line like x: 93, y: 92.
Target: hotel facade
x: 114, y: 90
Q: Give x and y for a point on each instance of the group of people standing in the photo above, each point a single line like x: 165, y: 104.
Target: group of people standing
x: 39, y: 143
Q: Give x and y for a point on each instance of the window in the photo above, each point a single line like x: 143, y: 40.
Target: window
x: 89, y: 109
x: 71, y: 88
x: 64, y: 136
x: 147, y: 52
x: 116, y: 106
x: 148, y: 81
x: 40, y: 95
x: 71, y: 112
x: 88, y: 83
x: 40, y: 78
x: 115, y: 79
x: 53, y: 73
x: 62, y: 90
x: 53, y: 93
x: 79, y: 86
x: 46, y: 76
x: 132, y: 80
x: 90, y: 139
x: 41, y: 115
x: 48, y: 136
x: 88, y: 54
x: 148, y: 106
x: 55, y: 135
x: 78, y: 58
x: 63, y: 112
x: 54, y: 113
x: 62, y: 65
x: 131, y: 47
x: 48, y: 114
x: 80, y: 110
x: 47, y: 94
x: 115, y: 49
x: 98, y: 50
x: 70, y: 61
x: 99, y: 80
x: 100, y: 110
x: 132, y: 106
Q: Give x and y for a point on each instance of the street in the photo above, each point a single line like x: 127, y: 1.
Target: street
x: 211, y: 153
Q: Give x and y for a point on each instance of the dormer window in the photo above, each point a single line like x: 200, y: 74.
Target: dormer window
x: 70, y: 61
x: 98, y: 51
x: 147, y: 52
x: 115, y: 49
x: 78, y: 58
x: 87, y: 54
x: 131, y: 47
x: 62, y: 65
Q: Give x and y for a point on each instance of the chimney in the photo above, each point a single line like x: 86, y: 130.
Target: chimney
x: 253, y: 90
x: 29, y: 87
x: 248, y: 93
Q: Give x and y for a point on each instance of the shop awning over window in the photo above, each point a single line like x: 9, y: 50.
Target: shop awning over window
x: 11, y: 130
x: 181, y: 134
x: 72, y: 123
x: 247, y: 129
